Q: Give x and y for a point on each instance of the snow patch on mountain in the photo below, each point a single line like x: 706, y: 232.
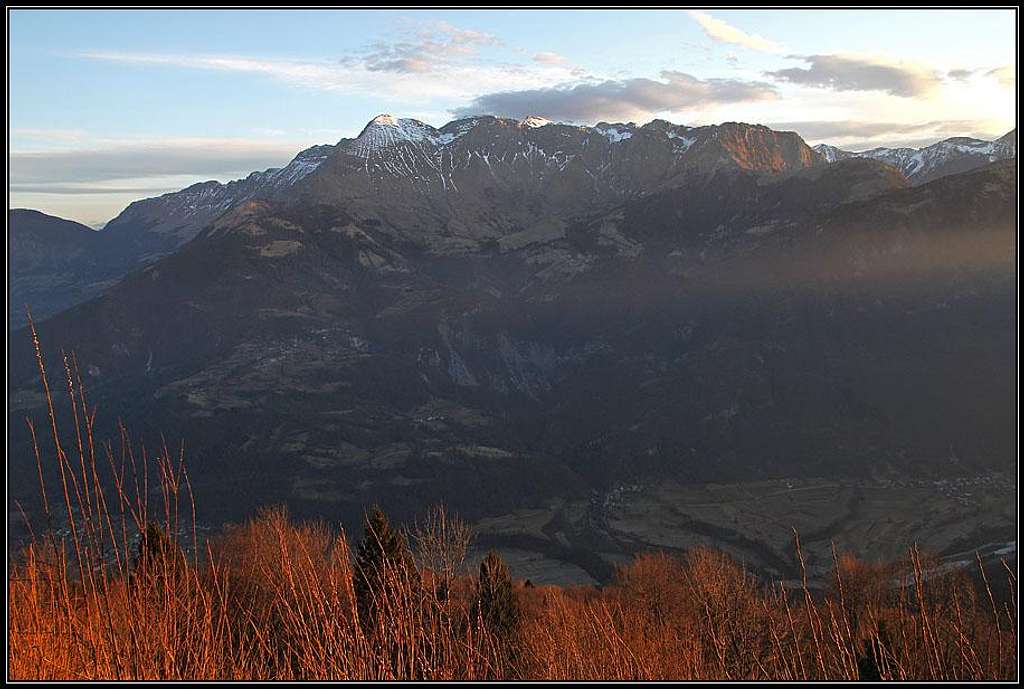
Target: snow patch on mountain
x: 929, y: 162
x: 615, y: 132
x: 453, y: 131
x: 305, y: 163
x: 534, y: 121
x: 831, y: 154
x: 682, y: 143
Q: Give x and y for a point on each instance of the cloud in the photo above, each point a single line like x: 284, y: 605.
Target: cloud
x: 961, y: 74
x: 410, y: 77
x: 721, y: 31
x: 860, y: 134
x: 98, y: 177
x: 619, y: 99
x: 201, y: 158
x: 50, y: 136
x: 433, y: 48
x: 860, y: 73
x: 1004, y: 75
x: 463, y: 37
x: 847, y: 128
x: 91, y: 190
x: 550, y: 58
x: 296, y: 71
x: 431, y: 61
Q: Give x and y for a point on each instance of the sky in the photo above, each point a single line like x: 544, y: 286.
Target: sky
x: 106, y: 107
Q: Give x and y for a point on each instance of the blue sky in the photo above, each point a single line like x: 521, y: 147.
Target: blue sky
x: 110, y: 106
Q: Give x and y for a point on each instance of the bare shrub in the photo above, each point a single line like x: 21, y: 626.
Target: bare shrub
x: 118, y: 588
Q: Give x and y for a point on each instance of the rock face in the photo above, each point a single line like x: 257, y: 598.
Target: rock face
x: 501, y: 313
x: 948, y: 157
x: 478, y: 181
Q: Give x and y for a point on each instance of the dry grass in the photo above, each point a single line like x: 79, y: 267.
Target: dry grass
x: 705, y: 618
x: 118, y: 586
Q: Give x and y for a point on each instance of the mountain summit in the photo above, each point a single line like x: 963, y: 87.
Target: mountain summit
x: 385, y: 131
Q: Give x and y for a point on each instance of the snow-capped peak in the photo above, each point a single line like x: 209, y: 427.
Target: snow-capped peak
x: 534, y: 121
x: 385, y: 131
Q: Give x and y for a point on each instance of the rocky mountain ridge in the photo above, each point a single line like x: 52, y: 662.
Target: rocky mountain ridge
x: 949, y: 156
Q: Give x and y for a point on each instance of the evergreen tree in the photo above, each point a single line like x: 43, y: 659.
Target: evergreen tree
x: 158, y: 557
x: 157, y: 550
x: 496, y: 603
x: 383, y: 563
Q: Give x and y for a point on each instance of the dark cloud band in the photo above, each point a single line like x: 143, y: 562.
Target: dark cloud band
x: 619, y: 99
x: 844, y: 73
x: 208, y: 158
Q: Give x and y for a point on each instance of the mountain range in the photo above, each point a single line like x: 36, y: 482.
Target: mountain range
x: 947, y: 157
x: 593, y: 165
x: 514, y: 315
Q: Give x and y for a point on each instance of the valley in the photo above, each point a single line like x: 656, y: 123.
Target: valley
x: 877, y: 520
x: 670, y: 329
x: 511, y: 345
